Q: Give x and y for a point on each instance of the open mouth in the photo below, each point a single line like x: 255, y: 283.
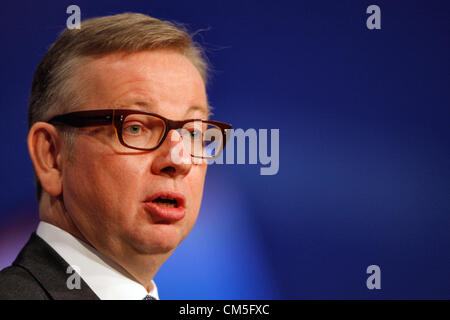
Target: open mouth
x: 166, y: 206
x: 166, y: 202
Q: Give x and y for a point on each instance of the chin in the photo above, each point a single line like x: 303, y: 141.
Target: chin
x: 162, y: 238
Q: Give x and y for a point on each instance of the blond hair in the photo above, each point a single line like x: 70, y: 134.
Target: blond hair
x: 52, y: 92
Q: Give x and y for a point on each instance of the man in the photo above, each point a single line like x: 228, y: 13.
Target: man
x: 109, y: 108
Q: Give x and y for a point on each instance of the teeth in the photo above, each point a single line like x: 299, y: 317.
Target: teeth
x: 165, y: 204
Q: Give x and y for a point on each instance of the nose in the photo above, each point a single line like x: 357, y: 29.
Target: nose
x: 172, y: 159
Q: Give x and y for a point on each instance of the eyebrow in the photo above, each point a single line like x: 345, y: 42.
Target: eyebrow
x: 198, y: 108
x: 206, y: 111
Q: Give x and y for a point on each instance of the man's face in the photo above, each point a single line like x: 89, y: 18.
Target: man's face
x: 104, y: 188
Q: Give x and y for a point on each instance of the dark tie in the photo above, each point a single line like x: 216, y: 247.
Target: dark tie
x: 148, y: 297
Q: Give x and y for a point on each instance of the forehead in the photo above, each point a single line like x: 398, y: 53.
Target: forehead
x: 161, y: 81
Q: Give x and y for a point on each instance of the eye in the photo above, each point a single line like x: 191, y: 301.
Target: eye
x: 133, y: 129
x: 196, y: 134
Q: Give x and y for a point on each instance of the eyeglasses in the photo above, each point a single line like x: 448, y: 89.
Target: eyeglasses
x: 141, y: 130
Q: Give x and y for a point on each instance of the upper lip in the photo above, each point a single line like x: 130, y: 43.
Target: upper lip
x: 181, y: 200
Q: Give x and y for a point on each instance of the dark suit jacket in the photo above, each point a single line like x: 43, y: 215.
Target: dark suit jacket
x: 39, y: 273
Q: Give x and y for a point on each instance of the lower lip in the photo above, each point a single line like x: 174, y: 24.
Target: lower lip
x: 165, y: 213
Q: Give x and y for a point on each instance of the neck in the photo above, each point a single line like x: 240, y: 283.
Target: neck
x: 52, y: 210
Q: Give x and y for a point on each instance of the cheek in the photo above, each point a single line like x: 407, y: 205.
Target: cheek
x: 195, y: 180
x: 98, y: 186
x: 118, y: 179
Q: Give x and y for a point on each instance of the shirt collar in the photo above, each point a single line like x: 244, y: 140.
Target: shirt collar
x: 107, y: 279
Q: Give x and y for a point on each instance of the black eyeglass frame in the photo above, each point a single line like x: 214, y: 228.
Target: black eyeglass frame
x: 116, y: 117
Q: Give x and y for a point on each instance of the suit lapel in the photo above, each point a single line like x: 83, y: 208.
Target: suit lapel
x: 49, y: 269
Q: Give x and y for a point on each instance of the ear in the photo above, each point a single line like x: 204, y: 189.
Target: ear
x: 45, y: 150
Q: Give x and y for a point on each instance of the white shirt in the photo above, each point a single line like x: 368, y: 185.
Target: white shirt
x: 102, y: 275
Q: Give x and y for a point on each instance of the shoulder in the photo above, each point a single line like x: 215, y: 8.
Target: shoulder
x: 16, y: 283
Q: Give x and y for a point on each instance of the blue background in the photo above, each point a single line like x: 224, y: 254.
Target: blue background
x: 364, y: 146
